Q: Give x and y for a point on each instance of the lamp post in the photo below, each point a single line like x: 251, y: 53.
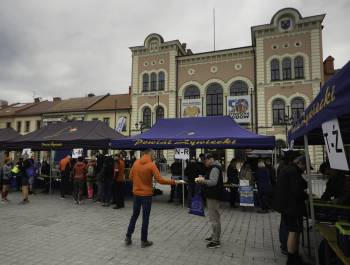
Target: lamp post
x: 287, y: 121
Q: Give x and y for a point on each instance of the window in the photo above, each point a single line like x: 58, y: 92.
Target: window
x: 8, y: 124
x: 106, y: 121
x: 19, y: 126
x: 159, y: 113
x: 38, y: 124
x: 239, y: 88
x: 191, y: 92
x: 275, y: 70
x: 161, y: 81
x: 145, y: 82
x: 146, y: 117
x: 95, y: 119
x: 214, y: 100
x: 153, y: 82
x: 27, y: 126
x: 297, y: 108
x: 278, y: 111
x: 299, y: 67
x: 287, y: 69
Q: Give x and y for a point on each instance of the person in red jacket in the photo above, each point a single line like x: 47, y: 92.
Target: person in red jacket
x: 79, y: 175
x: 141, y: 174
x: 119, y: 177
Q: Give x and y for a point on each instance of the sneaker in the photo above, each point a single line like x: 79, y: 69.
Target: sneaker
x: 214, y: 245
x: 4, y: 201
x: 76, y: 202
x: 128, y: 241
x: 209, y: 239
x: 145, y: 244
x: 62, y: 197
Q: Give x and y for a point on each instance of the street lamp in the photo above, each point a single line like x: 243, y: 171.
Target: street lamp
x: 140, y: 126
x: 287, y: 121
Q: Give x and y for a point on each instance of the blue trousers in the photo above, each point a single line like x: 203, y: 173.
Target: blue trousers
x: 146, y: 203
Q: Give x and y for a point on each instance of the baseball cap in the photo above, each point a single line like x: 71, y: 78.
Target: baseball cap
x: 208, y: 156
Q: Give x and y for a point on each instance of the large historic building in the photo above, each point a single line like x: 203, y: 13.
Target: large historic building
x: 280, y: 72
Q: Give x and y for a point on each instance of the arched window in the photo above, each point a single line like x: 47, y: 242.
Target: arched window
x: 239, y: 88
x: 192, y: 92
x: 299, y: 67
x: 275, y: 70
x: 153, y: 81
x: 287, y: 69
x: 214, y: 100
x: 278, y: 111
x: 159, y: 113
x: 161, y: 81
x: 146, y: 117
x: 145, y: 82
x: 297, y: 105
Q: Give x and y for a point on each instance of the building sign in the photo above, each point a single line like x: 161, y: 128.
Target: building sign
x: 191, y: 108
x: 334, y: 145
x: 120, y: 124
x: 246, y: 193
x: 239, y: 108
x: 182, y: 153
x: 185, y: 142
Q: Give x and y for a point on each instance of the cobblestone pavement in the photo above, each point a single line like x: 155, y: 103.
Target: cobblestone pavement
x: 54, y: 231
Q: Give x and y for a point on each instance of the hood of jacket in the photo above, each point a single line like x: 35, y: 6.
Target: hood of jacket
x: 145, y: 159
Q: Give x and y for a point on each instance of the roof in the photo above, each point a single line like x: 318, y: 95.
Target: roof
x: 112, y: 102
x: 13, y: 109
x: 74, y: 104
x: 200, y: 132
x: 37, y: 109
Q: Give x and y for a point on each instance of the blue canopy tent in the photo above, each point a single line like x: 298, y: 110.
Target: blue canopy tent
x: 333, y: 101
x: 199, y: 132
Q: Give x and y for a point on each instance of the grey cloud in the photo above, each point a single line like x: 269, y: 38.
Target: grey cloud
x: 70, y: 48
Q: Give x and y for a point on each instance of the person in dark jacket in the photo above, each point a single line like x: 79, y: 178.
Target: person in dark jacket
x: 98, y: 171
x: 335, y: 182
x: 176, y: 174
x: 289, y: 200
x: 233, y: 179
x: 107, y: 173
x: 263, y: 181
x: 269, y: 166
x: 214, y: 187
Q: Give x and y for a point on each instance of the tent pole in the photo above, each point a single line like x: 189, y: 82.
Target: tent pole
x: 51, y: 164
x: 312, y: 210
x: 183, y: 185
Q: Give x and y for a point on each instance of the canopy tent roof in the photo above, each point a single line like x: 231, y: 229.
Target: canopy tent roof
x: 333, y: 101
x: 7, y: 135
x: 200, y: 132
x: 68, y: 135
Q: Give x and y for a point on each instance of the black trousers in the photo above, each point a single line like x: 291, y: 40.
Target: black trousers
x: 78, y: 190
x: 119, y: 191
x: 233, y: 196
x: 64, y: 183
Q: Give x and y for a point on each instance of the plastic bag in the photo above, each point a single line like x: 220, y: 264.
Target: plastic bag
x: 197, y: 205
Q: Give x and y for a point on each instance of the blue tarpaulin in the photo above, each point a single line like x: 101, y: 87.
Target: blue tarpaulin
x: 333, y: 101
x: 199, y: 132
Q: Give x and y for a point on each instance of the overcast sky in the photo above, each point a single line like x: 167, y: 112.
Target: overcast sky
x: 69, y: 48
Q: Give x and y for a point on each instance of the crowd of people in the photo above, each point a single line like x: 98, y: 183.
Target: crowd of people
x: 102, y: 179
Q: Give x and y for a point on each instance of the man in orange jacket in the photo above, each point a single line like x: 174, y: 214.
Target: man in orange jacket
x: 141, y: 174
x: 65, y: 168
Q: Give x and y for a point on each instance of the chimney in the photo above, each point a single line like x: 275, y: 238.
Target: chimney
x: 56, y: 99
x: 189, y: 52
x: 184, y: 46
x: 328, y: 65
x: 37, y: 100
x: 90, y: 95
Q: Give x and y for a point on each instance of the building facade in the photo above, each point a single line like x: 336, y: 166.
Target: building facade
x: 279, y: 74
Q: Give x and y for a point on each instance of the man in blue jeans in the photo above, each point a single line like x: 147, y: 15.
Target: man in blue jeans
x: 141, y: 174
